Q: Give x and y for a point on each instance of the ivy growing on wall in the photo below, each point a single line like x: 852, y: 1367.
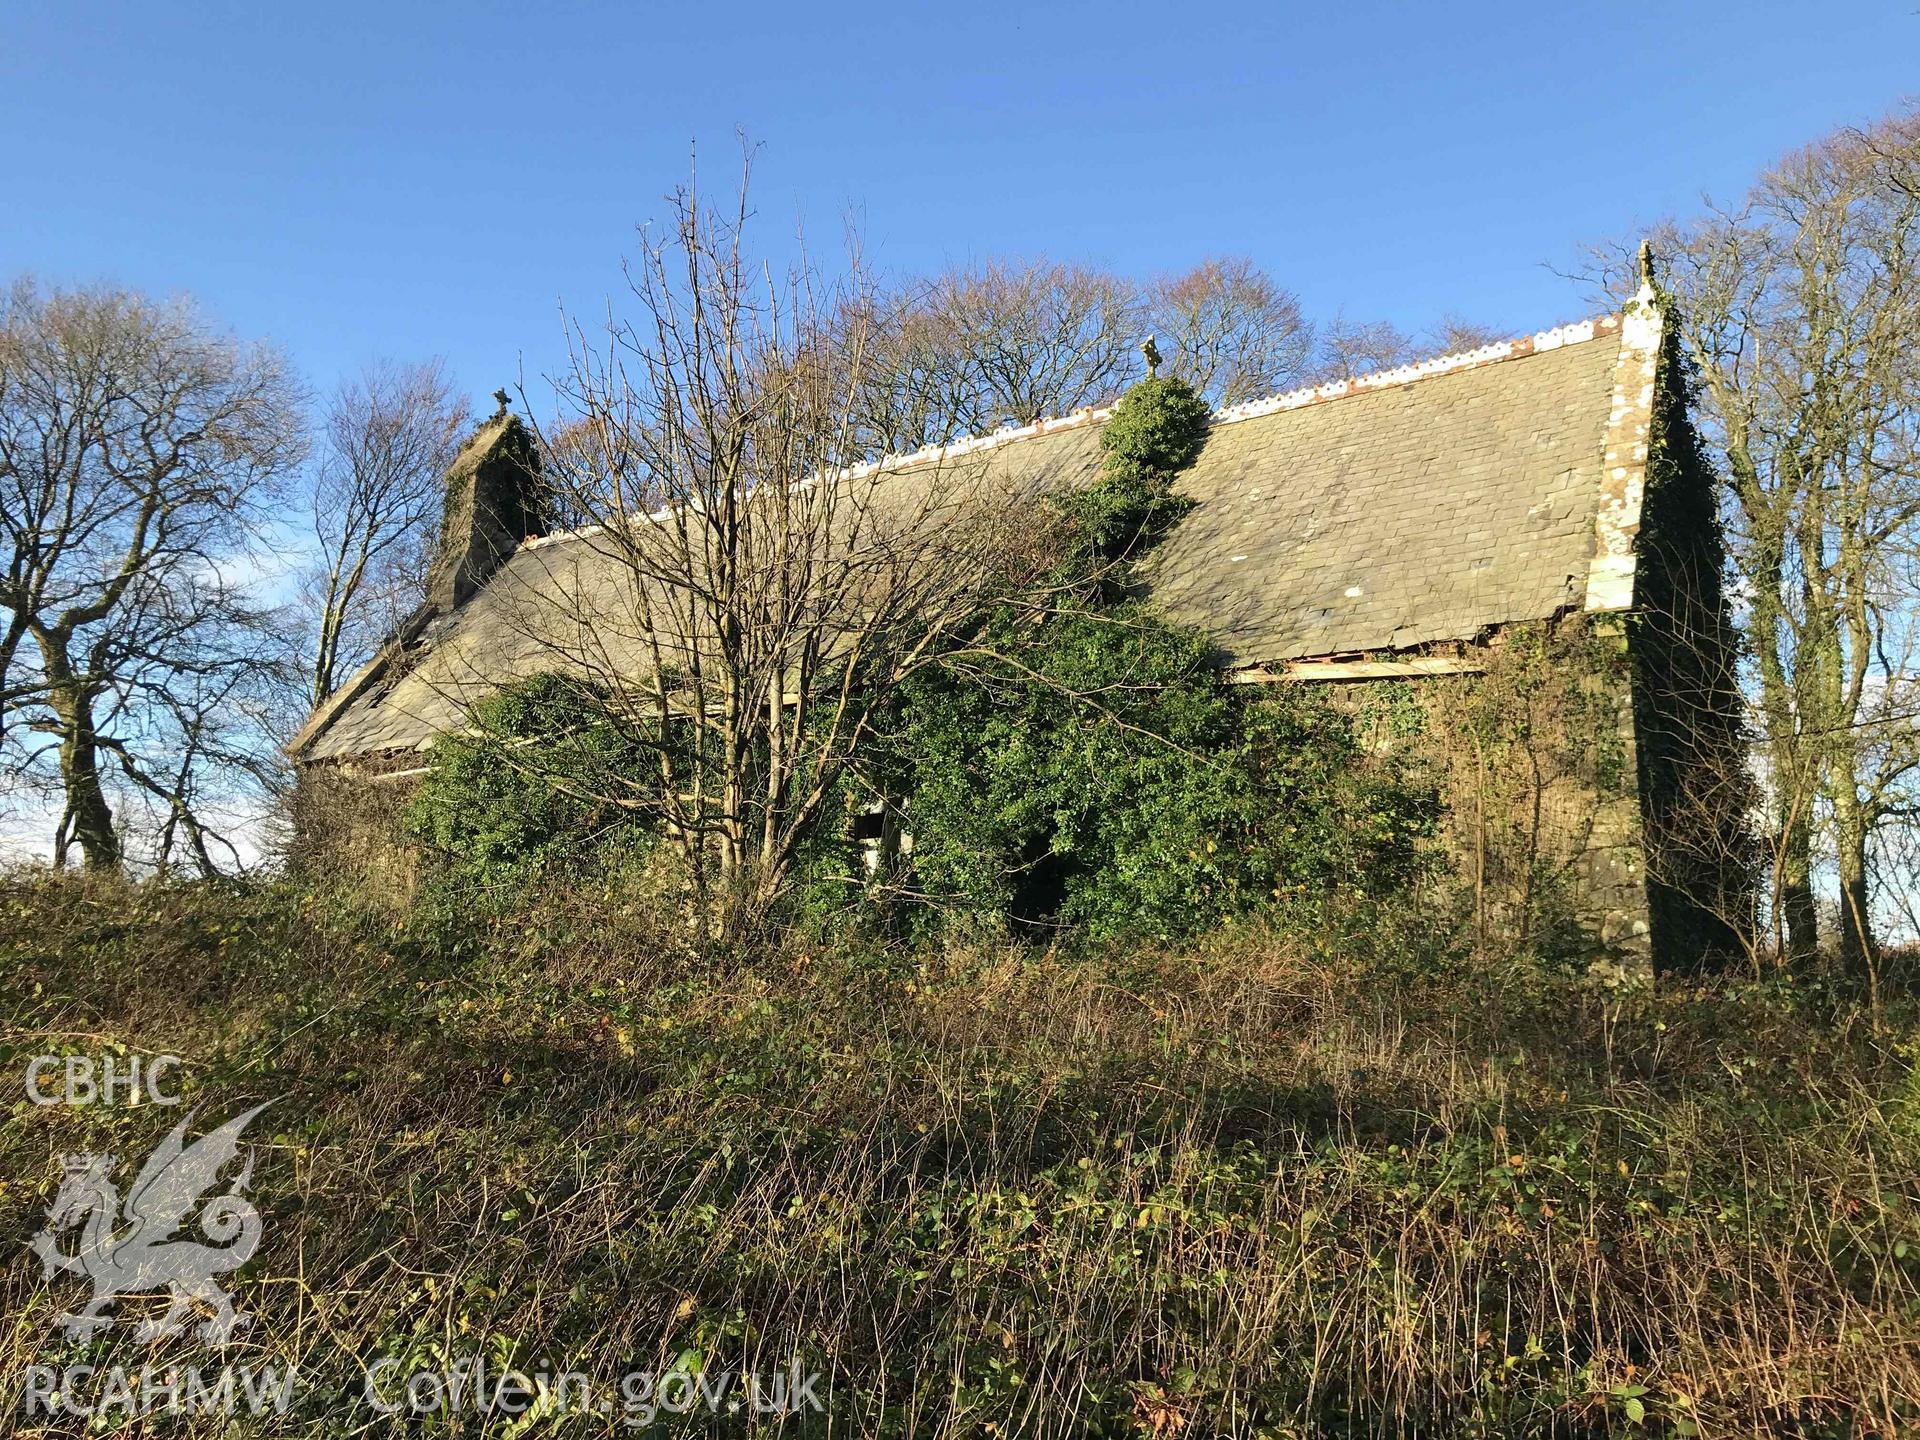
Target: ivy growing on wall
x: 1692, y: 758
x: 1075, y: 762
x: 1082, y: 765
x: 1532, y: 762
x: 542, y: 776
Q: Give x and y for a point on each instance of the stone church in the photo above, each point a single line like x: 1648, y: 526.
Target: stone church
x: 1398, y: 529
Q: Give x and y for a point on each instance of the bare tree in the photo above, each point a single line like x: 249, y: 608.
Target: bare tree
x: 1038, y: 339
x: 1008, y: 341
x: 388, y: 437
x: 1456, y: 334
x: 1349, y: 349
x: 135, y: 443
x: 1005, y: 341
x: 916, y: 385
x: 1229, y: 330
x: 746, y: 603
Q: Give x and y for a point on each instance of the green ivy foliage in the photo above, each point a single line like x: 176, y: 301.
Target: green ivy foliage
x: 1133, y: 794
x: 1074, y: 764
x: 1154, y: 433
x: 1093, y: 772
x: 544, y: 774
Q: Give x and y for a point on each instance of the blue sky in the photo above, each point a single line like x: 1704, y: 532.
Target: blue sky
x: 402, y: 179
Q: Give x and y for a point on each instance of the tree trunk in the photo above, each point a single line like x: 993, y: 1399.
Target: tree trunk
x: 1795, y: 899
x: 326, y: 655
x: 91, y: 818
x: 1765, y: 567
x: 1850, y: 836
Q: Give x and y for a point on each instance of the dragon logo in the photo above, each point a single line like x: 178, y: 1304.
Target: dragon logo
x: 144, y: 1256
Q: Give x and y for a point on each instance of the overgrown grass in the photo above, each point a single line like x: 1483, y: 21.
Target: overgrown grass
x: 1279, y: 1184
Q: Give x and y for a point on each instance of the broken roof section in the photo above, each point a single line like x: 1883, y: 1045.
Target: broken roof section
x: 1431, y: 503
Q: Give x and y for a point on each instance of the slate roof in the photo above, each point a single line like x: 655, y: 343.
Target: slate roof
x: 1396, y: 516
x: 1422, y: 505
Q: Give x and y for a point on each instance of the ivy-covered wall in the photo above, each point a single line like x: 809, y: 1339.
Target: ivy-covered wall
x: 1533, y: 759
x: 1535, y: 824
x: 1594, y: 777
x: 1697, y: 794
x: 349, y: 822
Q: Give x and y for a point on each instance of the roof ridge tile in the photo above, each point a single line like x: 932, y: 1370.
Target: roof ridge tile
x: 1574, y: 333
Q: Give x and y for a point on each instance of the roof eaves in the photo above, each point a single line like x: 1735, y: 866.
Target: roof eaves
x: 328, y: 710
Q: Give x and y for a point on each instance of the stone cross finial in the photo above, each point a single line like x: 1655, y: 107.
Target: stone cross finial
x: 1152, y: 353
x: 1646, y: 262
x: 502, y: 396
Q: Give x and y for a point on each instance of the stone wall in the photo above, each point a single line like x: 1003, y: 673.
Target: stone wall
x: 347, y: 823
x: 494, y: 500
x: 1533, y: 754
x: 1596, y: 768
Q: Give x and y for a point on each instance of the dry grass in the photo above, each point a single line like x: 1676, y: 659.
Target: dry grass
x: 1279, y: 1185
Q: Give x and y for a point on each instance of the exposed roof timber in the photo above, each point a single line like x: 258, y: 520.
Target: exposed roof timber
x: 1315, y: 671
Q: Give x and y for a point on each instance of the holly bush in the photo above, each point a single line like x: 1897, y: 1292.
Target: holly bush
x: 1126, y: 792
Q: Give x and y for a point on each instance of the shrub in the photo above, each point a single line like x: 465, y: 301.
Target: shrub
x: 544, y: 776
x: 1130, y: 793
x: 1076, y: 762
x: 1155, y: 432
